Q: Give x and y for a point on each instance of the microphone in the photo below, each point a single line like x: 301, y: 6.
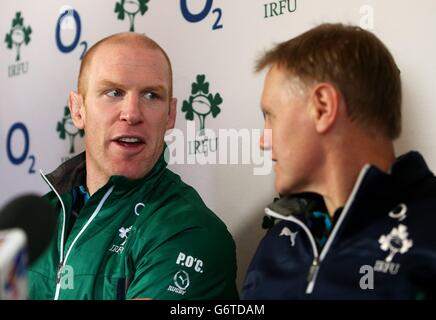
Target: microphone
x: 27, y: 226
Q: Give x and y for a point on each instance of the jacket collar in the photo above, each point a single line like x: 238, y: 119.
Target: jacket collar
x: 69, y: 174
x: 72, y: 173
x: 377, y: 188
x: 407, y: 170
x: 380, y: 192
x: 410, y: 168
x: 375, y: 194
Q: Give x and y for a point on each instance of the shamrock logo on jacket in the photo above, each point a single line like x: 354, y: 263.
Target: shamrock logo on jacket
x: 123, y: 234
x: 396, y: 241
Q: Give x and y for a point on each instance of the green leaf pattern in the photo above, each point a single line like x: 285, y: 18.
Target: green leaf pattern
x: 18, y: 23
x: 18, y: 20
x: 143, y: 6
x: 119, y: 8
x: 201, y: 88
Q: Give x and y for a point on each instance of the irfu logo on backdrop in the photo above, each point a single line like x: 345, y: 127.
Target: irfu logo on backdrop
x: 203, y: 145
x: 66, y: 128
x: 202, y: 104
x: 278, y: 7
x: 131, y: 8
x: 18, y: 36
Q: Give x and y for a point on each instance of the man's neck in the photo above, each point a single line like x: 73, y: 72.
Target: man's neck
x: 94, y: 184
x: 95, y: 178
x: 344, y: 165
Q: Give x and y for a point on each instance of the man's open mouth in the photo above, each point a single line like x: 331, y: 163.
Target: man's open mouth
x: 129, y: 141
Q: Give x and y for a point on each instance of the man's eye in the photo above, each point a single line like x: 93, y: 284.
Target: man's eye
x: 114, y: 93
x: 151, y: 96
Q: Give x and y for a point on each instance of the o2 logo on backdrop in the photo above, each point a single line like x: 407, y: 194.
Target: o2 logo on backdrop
x: 69, y: 26
x: 199, y: 16
x: 17, y: 37
x: 18, y: 147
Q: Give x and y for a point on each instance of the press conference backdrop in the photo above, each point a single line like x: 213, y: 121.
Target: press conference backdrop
x: 213, y: 45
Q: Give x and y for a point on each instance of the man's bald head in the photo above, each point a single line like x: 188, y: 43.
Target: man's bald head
x: 123, y: 38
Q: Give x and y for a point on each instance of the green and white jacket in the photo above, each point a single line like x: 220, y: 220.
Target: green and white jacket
x: 148, y: 238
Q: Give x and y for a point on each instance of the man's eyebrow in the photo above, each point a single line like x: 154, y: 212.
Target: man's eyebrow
x: 157, y: 87
x: 111, y: 84
x: 108, y: 83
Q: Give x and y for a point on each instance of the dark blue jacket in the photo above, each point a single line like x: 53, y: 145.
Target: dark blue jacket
x: 383, y: 246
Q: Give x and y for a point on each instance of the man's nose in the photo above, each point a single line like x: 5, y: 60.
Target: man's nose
x: 265, y: 141
x: 131, y: 110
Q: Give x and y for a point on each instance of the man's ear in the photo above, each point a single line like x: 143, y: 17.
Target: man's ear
x: 325, y: 102
x: 77, y: 109
x: 172, y: 114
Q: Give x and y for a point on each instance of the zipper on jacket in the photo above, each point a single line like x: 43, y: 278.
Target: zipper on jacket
x: 59, y: 273
x: 62, y: 259
x: 64, y: 215
x: 313, y: 270
x: 316, y: 263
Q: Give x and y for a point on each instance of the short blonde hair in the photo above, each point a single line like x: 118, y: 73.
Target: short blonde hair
x: 120, y: 38
x: 356, y: 62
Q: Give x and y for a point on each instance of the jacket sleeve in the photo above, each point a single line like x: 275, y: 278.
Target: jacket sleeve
x: 188, y: 263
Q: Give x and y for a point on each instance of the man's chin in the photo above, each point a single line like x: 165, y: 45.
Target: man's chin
x: 281, y: 189
x: 284, y: 187
x: 131, y: 172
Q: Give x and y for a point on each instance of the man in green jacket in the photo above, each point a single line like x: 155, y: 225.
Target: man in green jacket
x: 129, y: 228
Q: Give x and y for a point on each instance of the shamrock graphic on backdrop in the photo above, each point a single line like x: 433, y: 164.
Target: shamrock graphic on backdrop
x: 201, y: 102
x: 131, y: 8
x: 66, y: 127
x: 18, y: 35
